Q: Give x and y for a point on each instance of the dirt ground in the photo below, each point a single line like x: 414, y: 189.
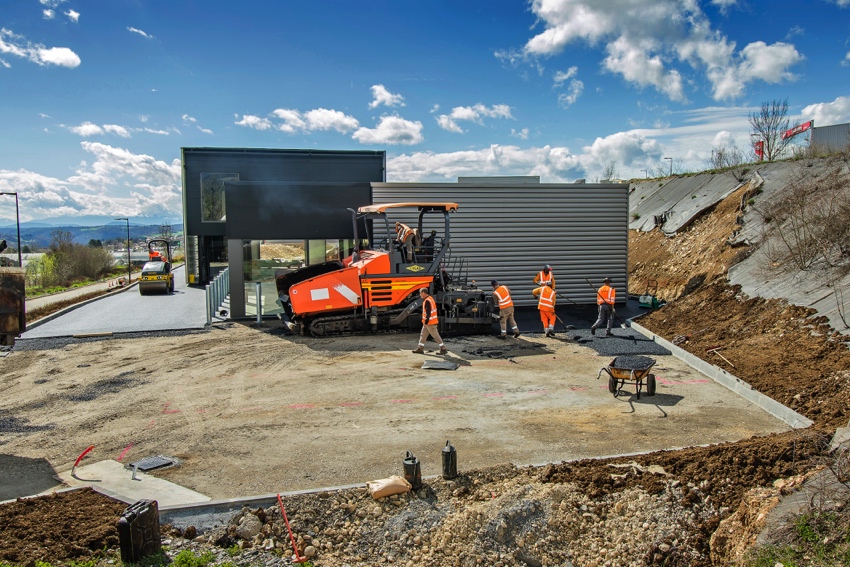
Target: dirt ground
x: 780, y: 350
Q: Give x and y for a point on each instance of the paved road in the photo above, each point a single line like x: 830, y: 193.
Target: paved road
x: 129, y: 312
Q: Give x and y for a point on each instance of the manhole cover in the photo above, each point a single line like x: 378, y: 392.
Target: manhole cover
x: 150, y: 463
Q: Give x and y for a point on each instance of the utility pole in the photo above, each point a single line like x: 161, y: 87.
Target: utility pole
x: 129, y: 277
x: 18, y: 223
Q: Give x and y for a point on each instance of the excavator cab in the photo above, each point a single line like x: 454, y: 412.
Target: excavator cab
x: 156, y: 273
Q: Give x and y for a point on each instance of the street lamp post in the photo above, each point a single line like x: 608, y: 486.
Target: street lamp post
x: 645, y: 173
x: 129, y: 277
x: 18, y: 223
x: 671, y: 165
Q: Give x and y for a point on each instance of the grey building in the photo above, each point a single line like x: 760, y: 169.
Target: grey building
x: 509, y: 228
x: 835, y: 137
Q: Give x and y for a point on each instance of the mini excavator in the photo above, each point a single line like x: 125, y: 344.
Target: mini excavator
x: 376, y: 288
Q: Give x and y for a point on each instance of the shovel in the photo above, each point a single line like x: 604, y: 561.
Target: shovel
x: 613, y: 311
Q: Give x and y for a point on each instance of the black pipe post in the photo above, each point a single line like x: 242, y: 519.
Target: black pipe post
x: 18, y: 223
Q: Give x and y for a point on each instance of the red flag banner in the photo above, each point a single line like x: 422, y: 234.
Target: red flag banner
x: 798, y: 129
x: 759, y: 148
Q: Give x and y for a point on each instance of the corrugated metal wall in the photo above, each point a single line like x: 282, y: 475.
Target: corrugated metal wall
x: 835, y: 137
x: 509, y: 232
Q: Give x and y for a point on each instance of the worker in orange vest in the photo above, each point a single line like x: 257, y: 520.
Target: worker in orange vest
x: 502, y: 298
x: 407, y: 238
x: 545, y: 276
x: 429, y: 323
x: 546, y: 304
x: 605, y: 300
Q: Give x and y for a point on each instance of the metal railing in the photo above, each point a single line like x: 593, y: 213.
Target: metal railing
x: 217, y: 291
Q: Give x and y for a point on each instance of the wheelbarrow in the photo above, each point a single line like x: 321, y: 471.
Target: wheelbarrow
x: 631, y: 370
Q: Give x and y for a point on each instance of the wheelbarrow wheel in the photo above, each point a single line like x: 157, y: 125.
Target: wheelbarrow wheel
x: 650, y: 385
x: 612, y: 385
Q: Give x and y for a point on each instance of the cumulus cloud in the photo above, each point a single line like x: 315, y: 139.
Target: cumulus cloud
x: 575, y: 87
x: 255, y: 122
x: 656, y: 44
x: 14, y: 44
x: 48, y: 14
x: 554, y: 164
x: 139, y: 32
x: 117, y: 182
x: 828, y: 113
x: 474, y: 114
x: 391, y: 130
x: 317, y: 119
x: 73, y: 16
x: 87, y: 129
x: 380, y: 95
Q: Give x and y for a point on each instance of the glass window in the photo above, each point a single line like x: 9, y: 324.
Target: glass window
x: 212, y: 195
x: 262, y: 258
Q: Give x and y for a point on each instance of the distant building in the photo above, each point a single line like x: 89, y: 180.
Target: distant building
x: 835, y: 137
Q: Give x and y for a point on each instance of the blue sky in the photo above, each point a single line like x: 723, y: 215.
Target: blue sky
x: 99, y: 97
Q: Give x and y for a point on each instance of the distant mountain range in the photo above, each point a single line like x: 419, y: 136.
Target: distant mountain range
x: 89, y: 220
x: 38, y: 235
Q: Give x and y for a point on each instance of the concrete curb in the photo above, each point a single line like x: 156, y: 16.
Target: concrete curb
x: 730, y: 381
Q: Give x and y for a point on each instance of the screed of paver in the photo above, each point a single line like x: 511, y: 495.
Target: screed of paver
x: 250, y: 411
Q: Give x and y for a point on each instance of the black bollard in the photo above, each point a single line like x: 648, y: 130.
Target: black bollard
x: 412, y: 472
x: 449, y: 461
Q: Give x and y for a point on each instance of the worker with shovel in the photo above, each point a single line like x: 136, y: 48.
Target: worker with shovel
x: 605, y: 299
x: 502, y: 295
x: 429, y: 323
x: 546, y: 304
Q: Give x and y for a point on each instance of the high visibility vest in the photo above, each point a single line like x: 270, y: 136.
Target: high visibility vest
x: 429, y: 311
x: 606, y: 294
x: 503, y: 297
x: 403, y: 232
x: 546, y: 302
x: 544, y: 279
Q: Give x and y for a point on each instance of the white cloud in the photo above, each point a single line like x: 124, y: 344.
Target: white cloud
x: 842, y: 3
x: 192, y: 121
x: 118, y: 130
x: 846, y: 60
x: 189, y: 119
x: 562, y: 76
x: 86, y: 129
x: 117, y: 182
x: 73, y: 16
x: 158, y: 132
x: 14, y: 44
x: 50, y: 3
x: 255, y: 122
x: 48, y: 14
x: 382, y: 96
x: 473, y: 114
x: 205, y: 130
x: 139, y: 32
x: 556, y: 164
x: 724, y: 4
x: 391, y: 130
x: 325, y: 119
x: 656, y: 43
x: 521, y: 134
x: 829, y: 113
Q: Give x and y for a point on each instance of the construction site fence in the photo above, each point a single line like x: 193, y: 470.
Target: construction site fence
x: 217, y: 291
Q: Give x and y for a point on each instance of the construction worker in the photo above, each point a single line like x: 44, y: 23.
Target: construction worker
x: 605, y: 296
x: 502, y: 298
x: 407, y: 238
x: 545, y: 276
x: 546, y: 304
x: 429, y: 323
x: 428, y: 246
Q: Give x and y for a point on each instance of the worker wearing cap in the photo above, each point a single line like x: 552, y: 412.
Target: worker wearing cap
x: 546, y: 304
x: 502, y: 298
x: 605, y: 296
x: 407, y: 238
x: 429, y: 323
x: 545, y: 277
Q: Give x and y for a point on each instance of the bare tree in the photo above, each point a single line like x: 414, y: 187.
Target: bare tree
x: 730, y: 160
x: 768, y: 125
x: 610, y: 172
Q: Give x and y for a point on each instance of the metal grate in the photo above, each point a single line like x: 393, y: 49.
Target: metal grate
x: 150, y: 463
